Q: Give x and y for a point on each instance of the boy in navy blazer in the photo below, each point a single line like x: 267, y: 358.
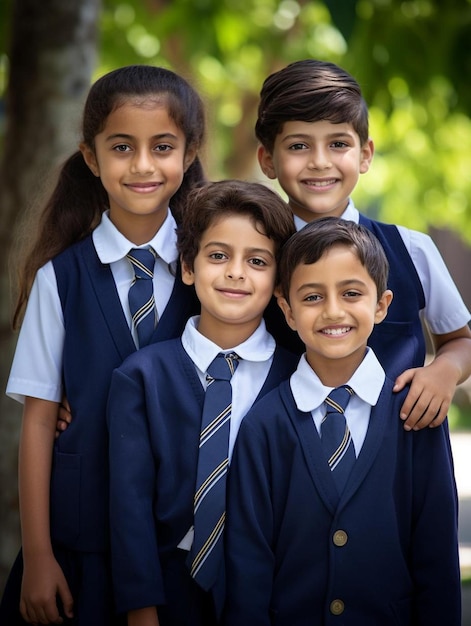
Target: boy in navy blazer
x: 301, y: 547
x: 230, y: 241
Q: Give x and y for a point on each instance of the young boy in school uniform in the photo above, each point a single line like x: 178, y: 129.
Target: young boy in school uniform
x: 361, y: 531
x: 229, y: 240
x: 312, y: 127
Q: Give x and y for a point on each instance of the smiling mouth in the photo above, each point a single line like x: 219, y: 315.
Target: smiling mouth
x: 143, y: 186
x: 336, y: 332
x: 320, y: 183
x: 233, y: 293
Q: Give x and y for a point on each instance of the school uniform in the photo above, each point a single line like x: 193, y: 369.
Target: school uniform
x: 154, y: 415
x: 93, y: 338
x: 423, y: 291
x: 384, y: 551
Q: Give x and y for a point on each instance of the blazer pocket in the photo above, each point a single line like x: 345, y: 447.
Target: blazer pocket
x: 65, y: 498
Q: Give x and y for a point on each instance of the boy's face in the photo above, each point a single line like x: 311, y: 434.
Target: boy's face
x: 234, y: 276
x: 333, y: 307
x: 317, y: 164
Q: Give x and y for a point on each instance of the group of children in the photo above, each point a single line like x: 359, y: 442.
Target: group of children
x: 108, y: 507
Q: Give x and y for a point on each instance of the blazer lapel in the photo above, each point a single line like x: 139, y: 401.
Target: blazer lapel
x: 379, y: 419
x: 312, y: 450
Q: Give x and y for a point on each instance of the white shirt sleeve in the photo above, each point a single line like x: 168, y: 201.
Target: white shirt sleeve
x: 37, y: 364
x: 445, y: 310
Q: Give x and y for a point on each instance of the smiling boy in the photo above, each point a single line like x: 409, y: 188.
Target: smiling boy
x: 314, y: 139
x: 230, y: 241
x: 364, y: 532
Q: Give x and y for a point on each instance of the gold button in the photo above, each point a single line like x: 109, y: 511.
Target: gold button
x: 337, y: 607
x: 340, y: 538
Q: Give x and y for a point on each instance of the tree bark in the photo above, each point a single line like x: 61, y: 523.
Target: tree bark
x: 52, y: 56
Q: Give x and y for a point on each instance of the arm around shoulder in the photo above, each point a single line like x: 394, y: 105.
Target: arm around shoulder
x: 432, y: 387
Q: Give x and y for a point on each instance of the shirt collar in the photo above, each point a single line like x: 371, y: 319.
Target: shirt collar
x: 260, y: 346
x: 111, y: 245
x: 351, y: 214
x: 309, y: 393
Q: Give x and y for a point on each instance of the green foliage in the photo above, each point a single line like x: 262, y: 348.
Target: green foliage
x: 411, y: 57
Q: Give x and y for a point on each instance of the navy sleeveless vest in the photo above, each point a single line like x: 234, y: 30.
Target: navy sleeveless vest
x: 97, y: 340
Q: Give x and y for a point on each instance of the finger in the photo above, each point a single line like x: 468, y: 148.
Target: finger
x: 67, y: 600
x: 413, y: 412
x: 404, y: 379
x: 440, y: 417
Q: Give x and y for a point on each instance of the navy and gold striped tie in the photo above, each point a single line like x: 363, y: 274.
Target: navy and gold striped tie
x: 206, y: 555
x: 141, y: 293
x: 335, y: 436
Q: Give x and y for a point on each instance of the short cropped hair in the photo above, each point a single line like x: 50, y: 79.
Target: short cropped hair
x: 213, y: 200
x: 309, y: 245
x: 310, y: 91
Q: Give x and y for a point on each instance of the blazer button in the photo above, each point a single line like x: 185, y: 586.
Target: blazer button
x: 337, y: 607
x: 340, y: 538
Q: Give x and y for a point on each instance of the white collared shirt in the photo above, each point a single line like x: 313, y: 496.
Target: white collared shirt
x: 256, y: 354
x: 445, y: 310
x: 37, y: 365
x: 367, y: 381
x: 256, y: 357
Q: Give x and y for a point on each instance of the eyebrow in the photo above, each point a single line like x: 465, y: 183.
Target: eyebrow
x: 349, y: 282
x: 305, y: 136
x: 223, y: 244
x: 129, y: 137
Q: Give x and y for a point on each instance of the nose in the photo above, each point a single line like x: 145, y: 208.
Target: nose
x: 142, y: 163
x: 235, y: 269
x: 319, y: 159
x: 333, y: 309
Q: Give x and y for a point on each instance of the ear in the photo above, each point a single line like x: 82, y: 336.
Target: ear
x: 188, y: 276
x: 89, y: 157
x: 190, y: 156
x: 383, y: 305
x: 288, y: 313
x: 366, y: 156
x: 266, y: 162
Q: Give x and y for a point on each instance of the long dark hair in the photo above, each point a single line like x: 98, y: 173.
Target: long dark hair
x: 78, y: 200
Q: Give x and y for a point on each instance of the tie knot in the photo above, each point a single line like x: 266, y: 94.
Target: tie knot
x: 338, y: 399
x: 223, y: 366
x: 142, y: 261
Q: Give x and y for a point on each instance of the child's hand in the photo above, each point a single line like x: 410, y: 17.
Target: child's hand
x: 64, y: 416
x: 143, y: 617
x: 43, y: 581
x: 431, y: 391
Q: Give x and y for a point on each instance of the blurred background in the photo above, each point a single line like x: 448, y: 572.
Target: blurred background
x: 412, y: 59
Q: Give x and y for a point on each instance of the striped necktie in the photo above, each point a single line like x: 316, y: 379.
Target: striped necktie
x: 335, y: 436
x: 141, y: 293
x: 206, y: 555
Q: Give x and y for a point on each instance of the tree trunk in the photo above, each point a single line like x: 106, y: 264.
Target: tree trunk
x: 52, y: 56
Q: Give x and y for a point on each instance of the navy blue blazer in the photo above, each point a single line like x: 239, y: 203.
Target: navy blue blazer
x: 154, y: 419
x: 79, y: 483
x: 385, y: 553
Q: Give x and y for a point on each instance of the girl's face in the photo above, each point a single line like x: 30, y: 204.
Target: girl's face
x: 140, y: 157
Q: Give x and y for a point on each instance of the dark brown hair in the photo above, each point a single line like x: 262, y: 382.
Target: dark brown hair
x: 79, y: 198
x: 228, y: 197
x: 310, y: 91
x: 309, y: 244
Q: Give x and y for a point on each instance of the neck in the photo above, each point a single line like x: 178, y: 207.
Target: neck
x: 224, y: 334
